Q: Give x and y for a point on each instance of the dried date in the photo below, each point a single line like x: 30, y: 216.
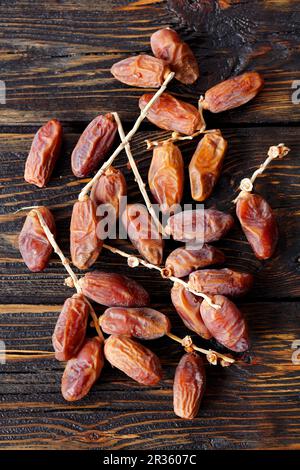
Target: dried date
x: 136, y: 361
x: 33, y: 243
x: 221, y: 281
x: 227, y: 324
x: 43, y: 154
x: 206, y: 164
x: 189, y: 386
x: 109, y: 189
x: 113, y: 290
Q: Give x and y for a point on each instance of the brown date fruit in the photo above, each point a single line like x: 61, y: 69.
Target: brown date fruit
x: 33, y: 243
x: 206, y: 165
x: 172, y: 114
x: 113, y: 290
x: 82, y: 371
x: 166, y: 175
x: 93, y: 145
x: 187, y: 306
x: 206, y: 225
x: 136, y: 361
x: 85, y: 245
x: 109, y: 189
x: 181, y: 262
x: 141, y: 70
x: 143, y: 232
x: 258, y: 223
x: 43, y: 154
x: 141, y: 323
x: 70, y: 330
x: 227, y: 324
x: 233, y: 92
x: 220, y: 281
x: 167, y: 45
x: 189, y: 386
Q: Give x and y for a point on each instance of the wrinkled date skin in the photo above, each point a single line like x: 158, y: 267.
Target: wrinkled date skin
x: 206, y: 165
x: 33, y: 243
x: 258, y: 223
x: 206, y: 225
x: 189, y: 386
x: 113, y: 290
x: 166, y: 175
x: 141, y: 71
x: 43, y: 154
x: 187, y: 306
x: 85, y: 245
x: 181, y: 262
x: 70, y: 329
x: 109, y: 189
x: 93, y: 145
x: 233, y: 92
x: 227, y: 324
x: 143, y: 233
x: 136, y: 361
x: 167, y: 45
x: 172, y: 114
x: 221, y: 281
x: 141, y: 323
x: 82, y: 371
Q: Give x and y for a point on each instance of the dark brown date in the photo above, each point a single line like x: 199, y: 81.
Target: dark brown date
x: 221, y: 281
x: 109, y: 189
x: 181, y: 262
x: 70, y: 329
x: 82, y: 371
x: 187, y: 306
x: 189, y: 386
x: 113, y: 290
x: 227, y: 324
x: 167, y: 45
x: 258, y: 223
x: 93, y: 145
x: 136, y: 361
x: 172, y: 114
x: 141, y: 323
x: 43, y: 154
x: 33, y: 243
x: 206, y: 164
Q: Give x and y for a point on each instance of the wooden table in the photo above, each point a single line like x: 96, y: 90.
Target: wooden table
x: 55, y: 59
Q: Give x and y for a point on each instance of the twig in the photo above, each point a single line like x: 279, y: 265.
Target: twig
x: 128, y: 137
x: 175, y: 137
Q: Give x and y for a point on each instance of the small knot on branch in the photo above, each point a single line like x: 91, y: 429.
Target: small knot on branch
x: 278, y: 151
x: 187, y: 343
x: 166, y: 272
x: 246, y: 185
x: 133, y: 261
x: 212, y: 358
x: 69, y: 282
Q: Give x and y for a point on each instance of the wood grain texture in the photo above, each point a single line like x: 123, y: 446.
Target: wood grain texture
x: 55, y: 59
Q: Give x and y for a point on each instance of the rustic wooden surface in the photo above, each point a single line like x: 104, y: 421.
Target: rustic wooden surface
x: 55, y: 59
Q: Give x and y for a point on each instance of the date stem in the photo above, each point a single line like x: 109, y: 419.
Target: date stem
x: 175, y: 137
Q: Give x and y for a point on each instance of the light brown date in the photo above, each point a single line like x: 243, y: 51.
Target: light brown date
x: 141, y: 323
x: 70, y: 329
x: 166, y: 175
x: 221, y: 281
x: 43, y: 154
x: 93, y: 145
x: 172, y: 114
x: 227, y: 324
x: 233, y: 92
x: 258, y: 223
x: 187, y: 306
x: 109, y: 189
x: 143, y: 232
x: 206, y: 164
x: 206, y: 225
x: 189, y: 386
x: 82, y: 371
x: 167, y: 45
x: 33, y: 243
x: 136, y: 361
x: 181, y: 262
x: 141, y: 71
x: 113, y: 290
x: 85, y: 245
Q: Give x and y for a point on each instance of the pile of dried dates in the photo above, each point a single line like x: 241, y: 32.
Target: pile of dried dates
x: 129, y: 316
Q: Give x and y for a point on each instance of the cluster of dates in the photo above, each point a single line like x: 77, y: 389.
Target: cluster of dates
x: 128, y: 316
